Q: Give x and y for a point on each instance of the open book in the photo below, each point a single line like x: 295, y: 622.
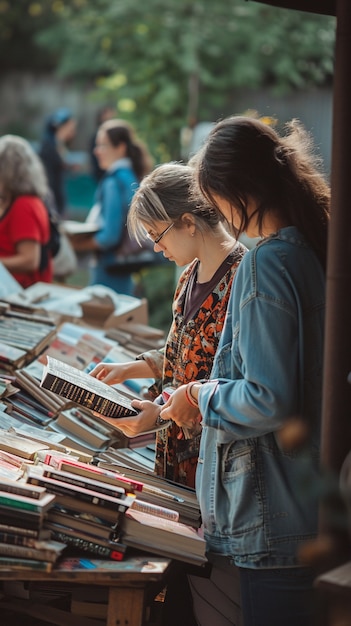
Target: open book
x: 81, y: 388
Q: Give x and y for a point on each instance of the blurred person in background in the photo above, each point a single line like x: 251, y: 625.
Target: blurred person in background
x: 107, y: 112
x: 24, y: 220
x: 125, y: 161
x: 59, y: 131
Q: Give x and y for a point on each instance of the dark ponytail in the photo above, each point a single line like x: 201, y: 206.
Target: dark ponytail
x: 119, y: 131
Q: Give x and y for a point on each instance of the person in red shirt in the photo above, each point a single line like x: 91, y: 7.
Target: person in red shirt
x: 24, y: 220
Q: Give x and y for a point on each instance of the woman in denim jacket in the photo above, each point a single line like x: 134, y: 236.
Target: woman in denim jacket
x: 258, y: 496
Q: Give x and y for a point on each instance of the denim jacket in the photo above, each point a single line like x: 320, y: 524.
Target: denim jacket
x: 259, y: 501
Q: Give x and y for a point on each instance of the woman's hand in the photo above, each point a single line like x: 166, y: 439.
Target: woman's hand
x: 115, y: 373
x: 178, y: 409
x: 144, y: 422
x: 110, y: 373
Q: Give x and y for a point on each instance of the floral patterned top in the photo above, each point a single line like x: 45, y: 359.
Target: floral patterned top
x: 188, y: 355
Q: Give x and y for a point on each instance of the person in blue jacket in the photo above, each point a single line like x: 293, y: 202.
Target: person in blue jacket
x: 258, y: 493
x: 59, y: 131
x: 125, y: 161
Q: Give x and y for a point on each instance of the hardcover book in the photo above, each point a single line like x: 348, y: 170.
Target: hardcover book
x: 39, y: 534
x: 21, y: 489
x: 13, y: 562
x: 25, y: 504
x: 81, y: 388
x: 48, y: 551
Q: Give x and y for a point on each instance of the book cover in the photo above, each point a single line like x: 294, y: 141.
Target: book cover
x: 135, y: 564
x: 83, y: 389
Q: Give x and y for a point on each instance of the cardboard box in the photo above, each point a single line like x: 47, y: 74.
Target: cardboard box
x: 136, y: 312
x: 95, y: 305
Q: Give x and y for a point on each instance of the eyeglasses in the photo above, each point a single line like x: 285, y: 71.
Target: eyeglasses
x: 159, y: 237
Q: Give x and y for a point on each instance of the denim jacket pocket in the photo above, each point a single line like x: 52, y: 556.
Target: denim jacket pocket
x: 239, y: 502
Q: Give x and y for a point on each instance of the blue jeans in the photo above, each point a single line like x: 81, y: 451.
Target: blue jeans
x: 277, y: 597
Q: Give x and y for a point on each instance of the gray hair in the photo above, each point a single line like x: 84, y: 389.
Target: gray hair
x: 165, y: 195
x: 21, y: 170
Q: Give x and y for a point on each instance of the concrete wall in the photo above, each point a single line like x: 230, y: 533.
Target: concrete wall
x: 26, y: 99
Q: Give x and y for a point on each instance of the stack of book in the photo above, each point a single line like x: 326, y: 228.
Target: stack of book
x: 28, y: 380
x: 157, y: 490
x: 82, y: 431
x: 87, y: 511
x: 158, y: 520
x: 22, y: 337
x: 24, y: 542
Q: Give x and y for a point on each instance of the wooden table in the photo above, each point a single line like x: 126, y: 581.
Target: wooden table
x: 128, y: 582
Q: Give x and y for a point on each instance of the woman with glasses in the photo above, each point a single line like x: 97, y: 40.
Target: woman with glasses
x: 125, y: 161
x: 193, y: 235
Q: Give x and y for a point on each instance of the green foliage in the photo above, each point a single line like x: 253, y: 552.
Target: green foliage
x: 170, y: 64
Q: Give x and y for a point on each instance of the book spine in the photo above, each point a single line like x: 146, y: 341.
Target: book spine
x: 25, y: 532
x: 25, y: 552
x: 17, y: 539
x: 65, y: 490
x: 17, y: 490
x: 19, y: 504
x: 99, y: 474
x: 116, y: 553
x: 79, y: 482
x: 27, y: 564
